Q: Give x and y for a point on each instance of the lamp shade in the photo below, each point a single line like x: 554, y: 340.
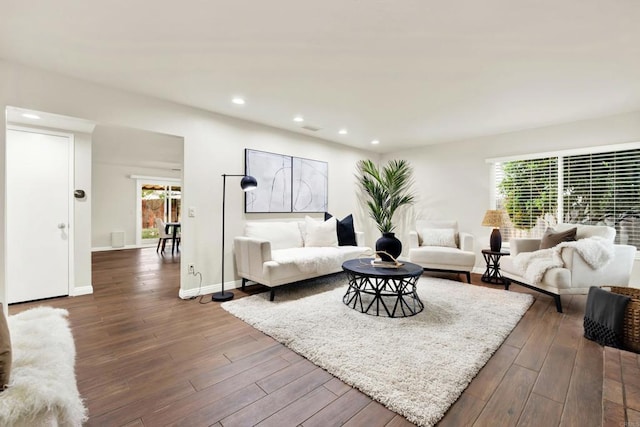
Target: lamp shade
x: 248, y: 183
x: 495, y: 218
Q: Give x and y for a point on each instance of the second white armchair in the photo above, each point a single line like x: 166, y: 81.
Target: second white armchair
x: 439, y: 246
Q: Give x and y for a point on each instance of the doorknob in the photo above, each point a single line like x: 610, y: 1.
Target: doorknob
x: 62, y: 226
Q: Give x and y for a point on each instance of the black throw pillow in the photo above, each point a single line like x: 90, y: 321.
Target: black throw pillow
x: 345, y: 230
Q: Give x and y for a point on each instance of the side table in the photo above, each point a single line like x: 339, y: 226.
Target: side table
x: 492, y: 273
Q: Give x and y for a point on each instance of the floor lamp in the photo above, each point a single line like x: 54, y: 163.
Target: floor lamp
x: 247, y: 183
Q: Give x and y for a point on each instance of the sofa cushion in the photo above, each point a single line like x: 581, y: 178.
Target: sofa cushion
x: 438, y: 237
x: 345, y: 230
x: 445, y: 256
x: 282, y: 235
x: 320, y: 233
x: 552, y: 237
x: 585, y: 231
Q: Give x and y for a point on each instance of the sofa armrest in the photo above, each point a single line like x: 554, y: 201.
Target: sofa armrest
x: 413, y: 240
x: 359, y: 238
x: 523, y: 245
x: 251, y: 254
x: 617, y: 272
x: 467, y: 241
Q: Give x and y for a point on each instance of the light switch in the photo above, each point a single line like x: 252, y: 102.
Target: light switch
x: 192, y: 212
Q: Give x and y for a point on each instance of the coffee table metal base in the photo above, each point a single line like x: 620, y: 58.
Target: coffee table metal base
x: 383, y: 296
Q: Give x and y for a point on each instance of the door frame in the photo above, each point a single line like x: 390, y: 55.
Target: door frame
x: 71, y: 174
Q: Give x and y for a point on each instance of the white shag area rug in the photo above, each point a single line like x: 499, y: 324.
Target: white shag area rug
x: 42, y: 387
x: 416, y: 366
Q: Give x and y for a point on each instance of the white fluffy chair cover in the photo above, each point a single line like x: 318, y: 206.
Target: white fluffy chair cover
x: 42, y: 388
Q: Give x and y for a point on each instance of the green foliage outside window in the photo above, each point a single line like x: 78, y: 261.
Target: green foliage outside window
x: 530, y: 190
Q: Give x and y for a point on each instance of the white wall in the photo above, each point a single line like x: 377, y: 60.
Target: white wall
x: 454, y: 179
x: 114, y: 202
x: 82, y: 215
x: 213, y: 145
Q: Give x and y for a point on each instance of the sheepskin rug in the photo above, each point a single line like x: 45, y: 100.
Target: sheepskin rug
x: 416, y: 366
x: 42, y: 388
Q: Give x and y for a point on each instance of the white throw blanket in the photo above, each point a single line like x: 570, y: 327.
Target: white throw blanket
x: 596, y: 251
x: 322, y: 260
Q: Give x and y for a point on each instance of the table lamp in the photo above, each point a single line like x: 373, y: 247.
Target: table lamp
x: 495, y: 218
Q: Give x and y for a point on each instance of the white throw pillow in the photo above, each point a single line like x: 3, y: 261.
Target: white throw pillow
x: 439, y: 237
x: 282, y: 235
x: 320, y: 233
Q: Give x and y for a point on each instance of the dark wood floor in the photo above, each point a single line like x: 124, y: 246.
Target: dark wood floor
x: 146, y: 357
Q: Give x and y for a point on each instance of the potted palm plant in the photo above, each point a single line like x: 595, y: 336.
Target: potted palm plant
x: 386, y: 189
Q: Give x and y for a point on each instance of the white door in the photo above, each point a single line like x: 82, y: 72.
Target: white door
x: 38, y: 196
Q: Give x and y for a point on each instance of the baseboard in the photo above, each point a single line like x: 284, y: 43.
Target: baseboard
x: 111, y: 248
x: 82, y: 290
x: 208, y: 289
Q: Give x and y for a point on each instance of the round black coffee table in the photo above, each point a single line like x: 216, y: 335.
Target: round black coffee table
x: 382, y: 291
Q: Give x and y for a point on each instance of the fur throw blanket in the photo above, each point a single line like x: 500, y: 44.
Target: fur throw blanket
x: 596, y: 251
x: 322, y: 260
x: 42, y: 388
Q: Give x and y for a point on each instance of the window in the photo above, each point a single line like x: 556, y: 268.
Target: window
x: 156, y: 197
x: 592, y: 188
x: 158, y: 201
x: 528, y: 191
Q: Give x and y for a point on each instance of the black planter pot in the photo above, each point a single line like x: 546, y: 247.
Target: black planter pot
x: 390, y: 244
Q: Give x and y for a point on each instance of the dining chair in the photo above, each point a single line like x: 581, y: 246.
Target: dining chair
x: 163, y: 236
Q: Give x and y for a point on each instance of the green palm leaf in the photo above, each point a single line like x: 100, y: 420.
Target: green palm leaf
x: 387, y: 189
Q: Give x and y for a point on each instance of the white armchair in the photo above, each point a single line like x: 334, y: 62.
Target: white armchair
x: 574, y: 275
x: 438, y: 246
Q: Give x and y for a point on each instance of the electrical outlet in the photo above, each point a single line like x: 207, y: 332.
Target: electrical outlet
x: 192, y: 268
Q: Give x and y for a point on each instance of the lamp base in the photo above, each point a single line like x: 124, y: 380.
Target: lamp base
x: 495, y: 241
x: 222, y: 296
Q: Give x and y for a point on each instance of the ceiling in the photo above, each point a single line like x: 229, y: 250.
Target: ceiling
x: 407, y: 73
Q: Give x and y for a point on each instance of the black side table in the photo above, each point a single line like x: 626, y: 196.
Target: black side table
x: 492, y: 273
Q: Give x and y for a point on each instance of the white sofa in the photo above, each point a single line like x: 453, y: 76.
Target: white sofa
x: 277, y: 253
x: 574, y: 275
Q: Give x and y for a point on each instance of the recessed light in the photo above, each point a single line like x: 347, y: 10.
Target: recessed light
x: 342, y: 132
x: 375, y: 142
x: 298, y: 119
x: 238, y: 101
x: 31, y: 116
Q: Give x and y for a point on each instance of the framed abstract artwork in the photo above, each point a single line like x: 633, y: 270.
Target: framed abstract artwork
x: 273, y: 173
x: 310, y: 185
x: 286, y: 183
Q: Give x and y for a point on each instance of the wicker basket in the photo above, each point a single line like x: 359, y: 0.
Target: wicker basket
x: 631, y: 327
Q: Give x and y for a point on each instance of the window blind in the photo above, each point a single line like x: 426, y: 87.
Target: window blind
x: 595, y: 188
x: 604, y: 188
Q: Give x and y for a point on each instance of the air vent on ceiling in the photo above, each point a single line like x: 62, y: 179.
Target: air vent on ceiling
x: 311, y: 128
